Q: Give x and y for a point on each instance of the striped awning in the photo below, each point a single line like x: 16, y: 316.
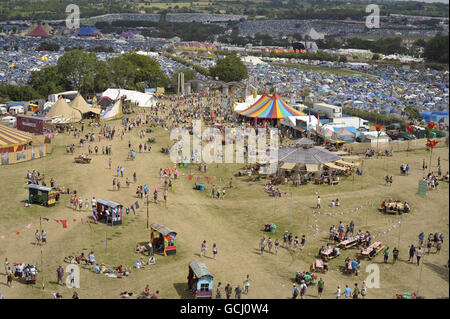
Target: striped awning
x: 10, y: 137
x: 273, y: 108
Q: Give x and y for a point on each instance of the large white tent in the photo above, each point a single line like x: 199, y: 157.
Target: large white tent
x: 135, y: 97
x: 249, y: 101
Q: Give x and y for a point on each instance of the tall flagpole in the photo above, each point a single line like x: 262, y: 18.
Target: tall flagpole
x: 42, y: 256
x: 290, y: 221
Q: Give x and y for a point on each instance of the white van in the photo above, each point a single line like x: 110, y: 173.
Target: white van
x: 3, y: 110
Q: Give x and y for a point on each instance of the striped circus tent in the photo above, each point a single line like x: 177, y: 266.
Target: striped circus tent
x: 12, y: 140
x: 273, y: 108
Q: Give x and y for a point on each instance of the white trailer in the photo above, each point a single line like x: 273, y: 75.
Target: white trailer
x: 354, y: 121
x: 331, y: 111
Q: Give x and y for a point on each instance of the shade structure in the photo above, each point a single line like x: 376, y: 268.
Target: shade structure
x: 304, y: 142
x: 39, y: 31
x: 273, y: 108
x: 306, y: 155
x: 13, y: 139
x: 63, y: 110
x: 80, y: 104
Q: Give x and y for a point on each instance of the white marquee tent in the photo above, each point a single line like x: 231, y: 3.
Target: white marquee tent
x: 135, y: 97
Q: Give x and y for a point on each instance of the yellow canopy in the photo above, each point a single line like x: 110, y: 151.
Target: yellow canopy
x: 312, y: 168
x: 288, y: 166
x: 334, y: 166
x: 346, y: 163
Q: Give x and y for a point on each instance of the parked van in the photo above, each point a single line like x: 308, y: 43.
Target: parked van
x: 10, y: 121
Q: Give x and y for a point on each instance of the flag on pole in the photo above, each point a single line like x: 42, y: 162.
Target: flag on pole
x: 63, y: 222
x: 89, y: 223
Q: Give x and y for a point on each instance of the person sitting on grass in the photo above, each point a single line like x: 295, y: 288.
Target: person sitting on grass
x: 140, y: 249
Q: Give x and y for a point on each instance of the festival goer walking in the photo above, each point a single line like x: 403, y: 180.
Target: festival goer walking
x: 363, y: 290
x: 412, y: 252
x: 203, y: 249
x: 246, y: 284
x: 219, y: 291
x: 277, y: 245
x: 320, y: 286
x: 228, y: 291
x: 295, y: 292
x: 60, y: 275
x: 419, y: 254
x: 214, y: 250
x: 356, y: 292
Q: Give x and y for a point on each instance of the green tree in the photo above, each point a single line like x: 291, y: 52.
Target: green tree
x: 229, y: 69
x: 77, y: 69
x: 436, y: 49
x: 46, y: 81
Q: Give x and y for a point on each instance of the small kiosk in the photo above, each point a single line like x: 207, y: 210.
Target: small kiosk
x: 163, y: 239
x: 109, y: 211
x: 42, y: 195
x: 200, y: 280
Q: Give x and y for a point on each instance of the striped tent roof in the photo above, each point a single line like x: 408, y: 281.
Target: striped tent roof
x: 11, y: 137
x: 273, y: 108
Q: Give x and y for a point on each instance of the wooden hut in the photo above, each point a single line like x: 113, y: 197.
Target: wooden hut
x: 163, y: 239
x: 200, y: 280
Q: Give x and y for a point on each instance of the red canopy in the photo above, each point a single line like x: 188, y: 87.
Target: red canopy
x: 39, y: 31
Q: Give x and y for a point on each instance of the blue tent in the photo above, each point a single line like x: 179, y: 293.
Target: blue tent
x: 88, y: 31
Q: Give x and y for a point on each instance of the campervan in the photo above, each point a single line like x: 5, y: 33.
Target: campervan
x: 10, y: 121
x: 3, y: 109
x: 16, y: 109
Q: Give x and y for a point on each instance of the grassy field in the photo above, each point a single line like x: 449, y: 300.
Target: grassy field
x: 235, y: 224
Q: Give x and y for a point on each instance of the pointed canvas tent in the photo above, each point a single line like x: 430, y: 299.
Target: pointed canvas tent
x: 273, y: 108
x: 63, y: 110
x: 113, y: 112
x: 39, y: 31
x: 80, y: 104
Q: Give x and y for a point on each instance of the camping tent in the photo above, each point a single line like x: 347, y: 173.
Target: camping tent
x: 113, y: 112
x: 62, y: 110
x: 80, y: 104
x: 39, y: 31
x: 88, y: 32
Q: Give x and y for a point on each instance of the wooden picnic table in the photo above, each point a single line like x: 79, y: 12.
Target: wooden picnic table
x: 348, y: 243
x: 318, y: 266
x: 82, y: 160
x: 394, y: 208
x: 378, y: 246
